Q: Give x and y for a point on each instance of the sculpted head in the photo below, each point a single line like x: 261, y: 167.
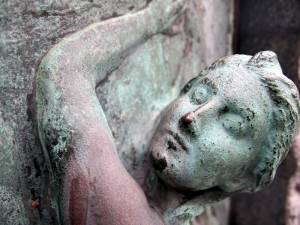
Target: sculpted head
x: 230, y: 127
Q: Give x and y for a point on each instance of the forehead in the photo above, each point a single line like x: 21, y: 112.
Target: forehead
x: 238, y: 87
x: 234, y: 82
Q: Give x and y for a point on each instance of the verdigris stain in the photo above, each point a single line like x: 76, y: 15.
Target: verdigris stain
x: 227, y: 131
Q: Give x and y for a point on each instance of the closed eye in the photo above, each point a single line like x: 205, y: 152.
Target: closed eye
x: 233, y: 122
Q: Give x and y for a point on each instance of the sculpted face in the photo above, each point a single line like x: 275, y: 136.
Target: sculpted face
x: 211, y: 135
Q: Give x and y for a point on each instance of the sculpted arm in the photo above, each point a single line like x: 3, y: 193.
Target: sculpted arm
x: 95, y: 187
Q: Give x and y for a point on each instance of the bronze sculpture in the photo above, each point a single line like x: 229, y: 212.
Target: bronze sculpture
x: 216, y: 139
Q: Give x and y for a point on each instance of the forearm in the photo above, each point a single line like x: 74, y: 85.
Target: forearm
x: 100, y: 48
x: 67, y: 107
x: 95, y: 183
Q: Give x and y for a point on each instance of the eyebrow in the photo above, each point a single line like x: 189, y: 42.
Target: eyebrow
x: 205, y: 81
x: 209, y: 83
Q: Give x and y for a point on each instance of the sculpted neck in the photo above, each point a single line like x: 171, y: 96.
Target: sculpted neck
x: 160, y: 196
x: 174, y: 205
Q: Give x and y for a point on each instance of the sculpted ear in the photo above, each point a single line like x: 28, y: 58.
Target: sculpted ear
x: 265, y: 60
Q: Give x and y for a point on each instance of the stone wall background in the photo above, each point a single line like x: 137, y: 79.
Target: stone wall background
x: 28, y: 29
x: 272, y: 25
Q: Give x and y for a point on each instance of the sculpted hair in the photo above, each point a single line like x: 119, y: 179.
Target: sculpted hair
x: 285, y: 115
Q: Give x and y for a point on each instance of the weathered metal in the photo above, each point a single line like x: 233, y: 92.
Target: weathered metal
x: 228, y: 130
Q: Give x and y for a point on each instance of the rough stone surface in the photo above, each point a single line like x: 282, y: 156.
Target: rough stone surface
x: 270, y: 25
x: 292, y: 216
x: 30, y: 28
x: 12, y: 209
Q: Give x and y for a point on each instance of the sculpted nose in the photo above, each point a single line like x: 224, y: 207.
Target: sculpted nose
x: 188, y: 118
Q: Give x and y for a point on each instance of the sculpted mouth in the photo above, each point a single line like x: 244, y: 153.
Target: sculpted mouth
x: 176, y: 142
x: 173, y: 142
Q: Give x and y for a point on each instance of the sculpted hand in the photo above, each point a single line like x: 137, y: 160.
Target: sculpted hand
x: 164, y: 12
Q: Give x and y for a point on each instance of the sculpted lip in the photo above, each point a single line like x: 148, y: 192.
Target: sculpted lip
x: 178, y: 139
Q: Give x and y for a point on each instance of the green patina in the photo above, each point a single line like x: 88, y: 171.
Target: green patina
x: 236, y: 122
x: 229, y: 128
x: 55, y: 133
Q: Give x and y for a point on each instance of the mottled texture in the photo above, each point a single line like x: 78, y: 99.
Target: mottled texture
x: 248, y: 109
x: 273, y: 25
x: 29, y: 29
x: 12, y: 208
x: 242, y: 116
